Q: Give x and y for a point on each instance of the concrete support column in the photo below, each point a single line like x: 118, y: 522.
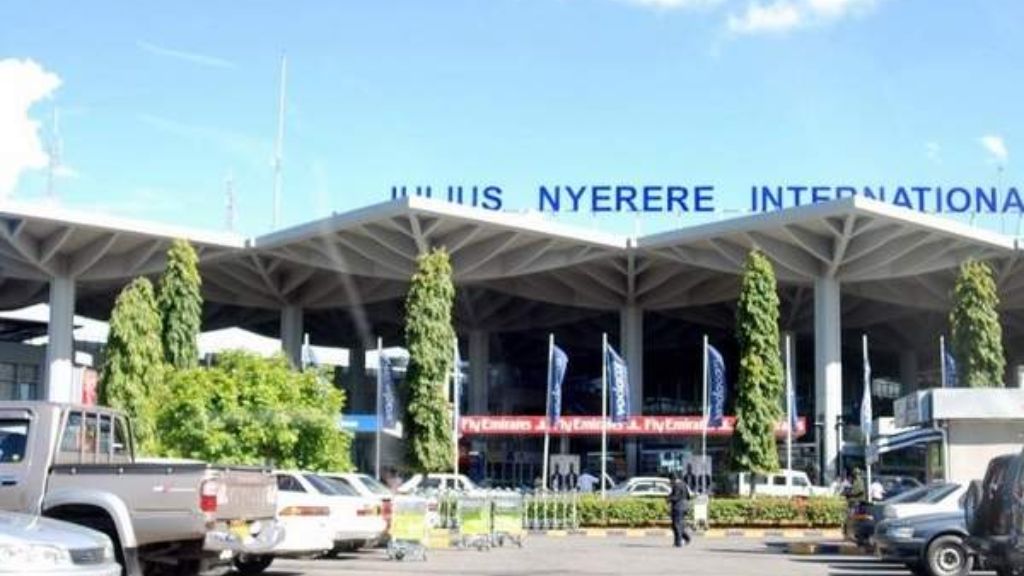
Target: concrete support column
x: 364, y: 390
x: 479, y: 368
x: 908, y: 371
x: 479, y: 364
x: 291, y: 333
x: 828, y: 369
x: 631, y: 341
x: 60, y: 350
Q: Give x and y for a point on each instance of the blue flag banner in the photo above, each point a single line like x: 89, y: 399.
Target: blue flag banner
x: 716, y: 388
x: 559, y: 364
x: 865, y: 403
x: 951, y: 376
x: 388, y: 400
x: 618, y: 383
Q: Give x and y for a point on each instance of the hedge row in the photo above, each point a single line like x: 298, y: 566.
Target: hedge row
x: 750, y: 512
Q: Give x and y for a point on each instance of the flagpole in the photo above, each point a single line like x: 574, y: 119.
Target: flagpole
x: 942, y: 361
x: 704, y: 413
x: 789, y: 407
x: 380, y: 375
x: 604, y: 411
x: 455, y: 405
x: 547, y: 415
x: 867, y: 430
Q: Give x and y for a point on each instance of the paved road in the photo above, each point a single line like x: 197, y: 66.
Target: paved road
x: 600, y: 557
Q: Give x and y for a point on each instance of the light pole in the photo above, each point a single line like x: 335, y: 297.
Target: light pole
x: 839, y: 446
x: 819, y: 444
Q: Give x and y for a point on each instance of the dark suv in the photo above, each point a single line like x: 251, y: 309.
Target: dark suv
x: 994, y: 514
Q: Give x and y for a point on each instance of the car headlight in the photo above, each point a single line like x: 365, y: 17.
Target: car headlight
x: 16, y: 558
x: 900, y: 532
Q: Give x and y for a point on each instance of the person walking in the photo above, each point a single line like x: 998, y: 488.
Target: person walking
x: 858, y: 492
x: 679, y: 505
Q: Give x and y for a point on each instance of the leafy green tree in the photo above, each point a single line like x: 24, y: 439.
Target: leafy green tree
x: 760, y: 375
x: 430, y: 338
x: 977, y: 336
x: 132, y: 374
x: 181, y: 306
x: 246, y: 409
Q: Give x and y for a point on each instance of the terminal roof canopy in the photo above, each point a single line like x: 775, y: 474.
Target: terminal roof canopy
x: 364, y: 258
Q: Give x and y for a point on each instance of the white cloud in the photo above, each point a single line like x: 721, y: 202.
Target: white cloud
x: 776, y: 17
x: 932, y: 150
x: 996, y: 148
x: 193, y: 57
x: 24, y: 83
x: 784, y: 15
x: 674, y: 4
x: 839, y: 8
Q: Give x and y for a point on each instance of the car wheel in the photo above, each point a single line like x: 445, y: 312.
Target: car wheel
x: 947, y: 556
x: 252, y: 565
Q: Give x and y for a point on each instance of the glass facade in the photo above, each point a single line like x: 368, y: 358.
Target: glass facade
x: 19, y: 381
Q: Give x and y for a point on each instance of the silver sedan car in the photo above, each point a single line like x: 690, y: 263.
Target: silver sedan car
x: 31, y: 545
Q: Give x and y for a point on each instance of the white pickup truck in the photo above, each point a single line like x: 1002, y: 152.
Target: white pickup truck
x: 77, y: 463
x: 784, y: 483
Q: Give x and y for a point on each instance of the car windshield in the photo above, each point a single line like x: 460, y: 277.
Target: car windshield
x: 939, y: 493
x: 343, y: 486
x: 909, y: 496
x: 325, y: 486
x: 929, y: 494
x: 374, y: 486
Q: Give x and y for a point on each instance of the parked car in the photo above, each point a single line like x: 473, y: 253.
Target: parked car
x: 994, y: 514
x: 438, y: 482
x: 78, y: 464
x: 641, y: 487
x: 366, y: 486
x: 931, y: 499
x: 894, y: 485
x: 305, y: 515
x: 356, y: 520
x: 36, y: 545
x: 783, y: 483
x: 930, y: 545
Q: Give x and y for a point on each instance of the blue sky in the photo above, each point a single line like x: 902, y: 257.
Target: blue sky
x: 159, y: 102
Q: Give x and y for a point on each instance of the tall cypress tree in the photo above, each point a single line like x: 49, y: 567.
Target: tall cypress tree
x: 429, y: 337
x: 977, y: 336
x: 181, y: 306
x: 132, y: 374
x: 760, y: 374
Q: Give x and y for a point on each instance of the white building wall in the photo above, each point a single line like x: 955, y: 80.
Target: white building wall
x: 972, y: 443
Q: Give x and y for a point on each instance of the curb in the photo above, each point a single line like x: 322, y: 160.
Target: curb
x: 825, y: 549
x: 442, y: 538
x: 665, y: 533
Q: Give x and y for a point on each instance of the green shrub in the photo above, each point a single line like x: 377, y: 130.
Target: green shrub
x: 752, y: 512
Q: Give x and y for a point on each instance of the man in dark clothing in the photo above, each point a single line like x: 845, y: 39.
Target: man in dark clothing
x: 679, y: 504
x: 858, y: 492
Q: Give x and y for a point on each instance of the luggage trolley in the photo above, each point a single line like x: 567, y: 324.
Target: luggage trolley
x: 475, y: 522
x: 409, y: 528
x: 507, y: 512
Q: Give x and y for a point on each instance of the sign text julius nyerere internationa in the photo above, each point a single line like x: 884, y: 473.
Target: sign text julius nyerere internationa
x: 684, y: 198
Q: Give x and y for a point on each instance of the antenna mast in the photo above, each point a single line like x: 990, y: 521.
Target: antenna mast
x: 280, y: 142
x: 55, y: 150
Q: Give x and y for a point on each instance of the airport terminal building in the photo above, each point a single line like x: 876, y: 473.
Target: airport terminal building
x: 845, y: 268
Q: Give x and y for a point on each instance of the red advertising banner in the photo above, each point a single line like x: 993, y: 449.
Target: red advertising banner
x: 591, y: 425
